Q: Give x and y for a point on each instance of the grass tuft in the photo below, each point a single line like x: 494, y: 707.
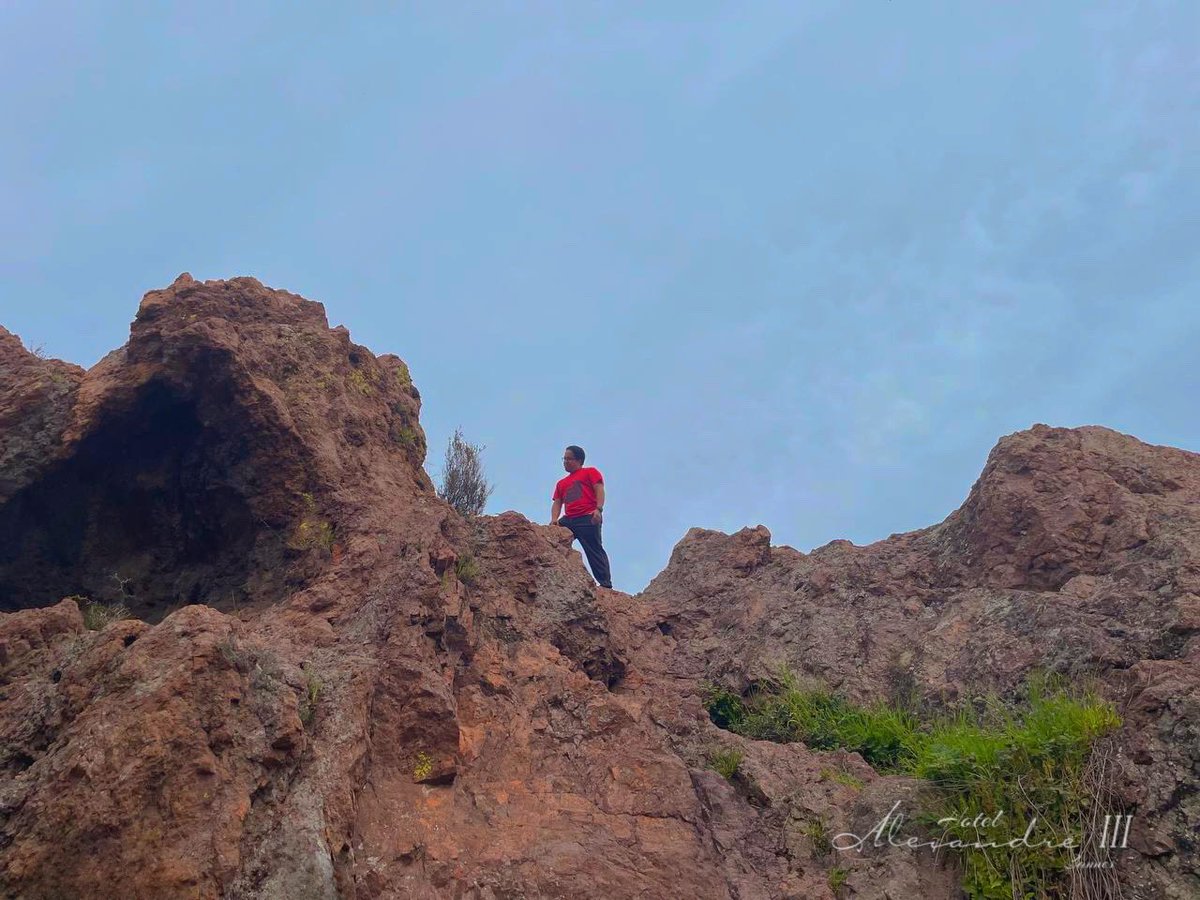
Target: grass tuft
x: 312, y: 694
x: 818, y: 833
x: 843, y: 777
x: 726, y: 762
x: 837, y: 880
x: 466, y: 568
x: 97, y: 616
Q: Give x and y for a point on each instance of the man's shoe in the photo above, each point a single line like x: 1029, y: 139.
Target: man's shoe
x: 609, y: 586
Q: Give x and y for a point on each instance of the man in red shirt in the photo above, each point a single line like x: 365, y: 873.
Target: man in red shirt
x: 583, y: 492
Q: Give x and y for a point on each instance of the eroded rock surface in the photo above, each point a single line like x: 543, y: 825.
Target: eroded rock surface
x: 334, y: 686
x: 202, y: 461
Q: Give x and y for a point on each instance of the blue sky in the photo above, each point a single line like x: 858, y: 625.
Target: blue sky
x: 792, y: 264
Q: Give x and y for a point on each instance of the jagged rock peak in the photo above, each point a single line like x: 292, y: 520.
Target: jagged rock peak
x: 232, y: 433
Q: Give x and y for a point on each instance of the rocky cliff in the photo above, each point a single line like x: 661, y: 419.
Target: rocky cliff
x: 331, y: 685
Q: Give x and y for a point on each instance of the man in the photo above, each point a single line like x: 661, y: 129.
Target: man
x: 583, y: 492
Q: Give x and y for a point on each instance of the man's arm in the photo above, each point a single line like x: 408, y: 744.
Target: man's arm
x: 555, y: 510
x: 599, y: 501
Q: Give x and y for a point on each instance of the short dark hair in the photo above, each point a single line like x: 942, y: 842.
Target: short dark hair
x: 577, y: 452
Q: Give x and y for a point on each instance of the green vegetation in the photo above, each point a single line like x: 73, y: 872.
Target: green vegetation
x: 405, y: 436
x: 842, y: 777
x: 823, y: 721
x: 466, y: 568
x: 312, y: 694
x: 1007, y: 763
x: 403, y: 377
x: 310, y: 534
x: 97, y: 616
x: 312, y: 531
x: 818, y: 832
x: 726, y: 762
x: 837, y: 879
x: 362, y: 382
x: 463, y: 483
x: 424, y: 766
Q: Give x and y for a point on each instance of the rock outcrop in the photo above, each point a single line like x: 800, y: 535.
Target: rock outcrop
x: 331, y: 685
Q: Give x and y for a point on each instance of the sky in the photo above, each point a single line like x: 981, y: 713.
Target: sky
x: 790, y: 264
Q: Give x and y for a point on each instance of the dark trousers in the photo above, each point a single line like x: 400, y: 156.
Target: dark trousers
x: 587, y: 533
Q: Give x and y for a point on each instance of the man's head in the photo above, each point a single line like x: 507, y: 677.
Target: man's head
x: 573, y: 458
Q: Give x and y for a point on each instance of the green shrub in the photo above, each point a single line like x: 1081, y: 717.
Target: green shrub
x: 1026, y: 759
x: 1029, y: 762
x: 725, y: 708
x: 726, y: 762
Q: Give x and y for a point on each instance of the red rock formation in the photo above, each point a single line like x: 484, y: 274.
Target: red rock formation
x: 313, y: 702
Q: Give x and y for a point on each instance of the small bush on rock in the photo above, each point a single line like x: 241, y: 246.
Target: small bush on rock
x: 463, y: 483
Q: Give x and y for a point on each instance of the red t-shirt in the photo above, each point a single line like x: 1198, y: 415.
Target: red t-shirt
x: 579, y: 491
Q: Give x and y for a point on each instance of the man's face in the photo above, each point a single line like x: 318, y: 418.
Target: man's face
x: 570, y: 463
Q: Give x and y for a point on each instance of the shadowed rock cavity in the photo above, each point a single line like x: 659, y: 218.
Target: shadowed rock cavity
x: 155, y: 509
